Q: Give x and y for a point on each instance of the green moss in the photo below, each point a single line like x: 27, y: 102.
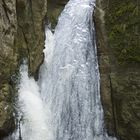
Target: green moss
x: 130, y: 54
x: 123, y: 25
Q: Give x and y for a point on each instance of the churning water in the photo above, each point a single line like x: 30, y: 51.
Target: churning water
x: 65, y: 103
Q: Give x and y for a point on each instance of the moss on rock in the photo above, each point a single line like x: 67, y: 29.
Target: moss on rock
x: 118, y: 38
x: 123, y: 27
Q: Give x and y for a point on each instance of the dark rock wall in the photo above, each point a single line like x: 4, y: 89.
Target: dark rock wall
x: 118, y: 41
x: 54, y: 9
x: 21, y: 36
x: 8, y: 64
x: 30, y: 32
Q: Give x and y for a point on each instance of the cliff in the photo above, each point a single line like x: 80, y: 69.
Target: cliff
x: 118, y: 41
x: 21, y: 36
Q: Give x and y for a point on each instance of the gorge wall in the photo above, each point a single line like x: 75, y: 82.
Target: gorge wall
x: 21, y: 36
x: 118, y: 41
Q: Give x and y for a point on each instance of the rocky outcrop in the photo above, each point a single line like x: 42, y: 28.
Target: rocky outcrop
x: 54, y: 9
x: 30, y: 33
x: 21, y: 36
x: 118, y: 32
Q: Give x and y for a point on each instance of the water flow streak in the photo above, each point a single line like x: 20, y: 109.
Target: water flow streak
x: 69, y: 77
x: 34, y: 125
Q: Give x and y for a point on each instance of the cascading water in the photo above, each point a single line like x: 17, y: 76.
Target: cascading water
x: 33, y: 111
x: 65, y: 104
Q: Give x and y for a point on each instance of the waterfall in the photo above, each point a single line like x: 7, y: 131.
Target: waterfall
x: 65, y: 102
x: 33, y: 111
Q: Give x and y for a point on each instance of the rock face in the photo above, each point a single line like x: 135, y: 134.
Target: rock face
x: 54, y: 9
x: 21, y: 36
x: 118, y: 41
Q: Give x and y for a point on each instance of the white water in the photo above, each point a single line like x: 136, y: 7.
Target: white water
x: 66, y: 105
x: 33, y: 114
